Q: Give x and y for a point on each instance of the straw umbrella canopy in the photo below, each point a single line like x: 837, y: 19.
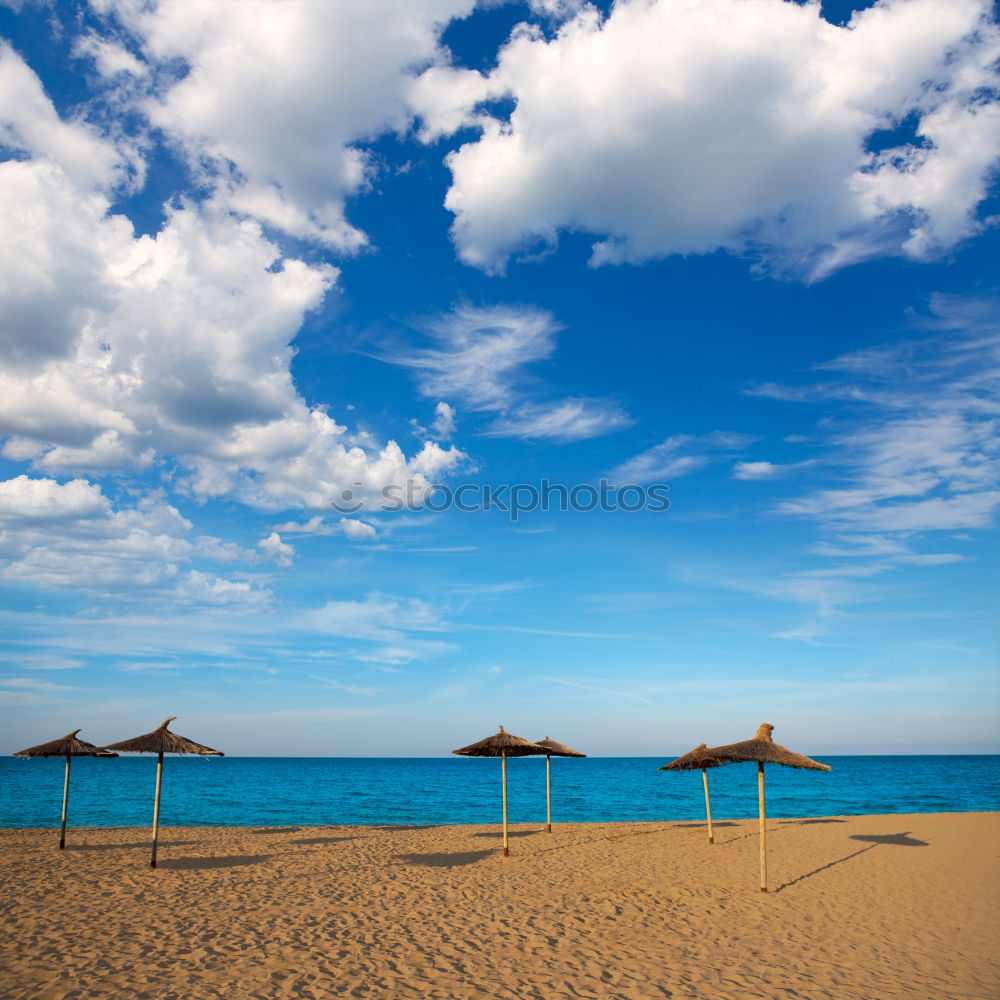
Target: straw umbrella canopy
x: 502, y: 745
x: 161, y: 741
x: 764, y: 750
x: 553, y: 748
x: 69, y: 747
x: 700, y: 758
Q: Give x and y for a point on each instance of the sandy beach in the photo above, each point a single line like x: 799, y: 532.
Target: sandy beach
x: 861, y: 907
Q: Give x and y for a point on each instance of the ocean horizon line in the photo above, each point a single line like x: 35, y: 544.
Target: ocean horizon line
x: 751, y: 816
x: 590, y: 756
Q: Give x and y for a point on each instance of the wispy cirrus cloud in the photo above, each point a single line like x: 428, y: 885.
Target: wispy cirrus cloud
x: 602, y: 689
x: 759, y: 470
x: 573, y: 419
x: 366, y: 692
x: 915, y: 445
x: 907, y: 462
x: 480, y: 358
x: 29, y: 691
x: 680, y: 455
x: 383, y: 618
x: 43, y: 661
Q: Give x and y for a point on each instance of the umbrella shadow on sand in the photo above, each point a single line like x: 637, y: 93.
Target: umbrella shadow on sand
x: 873, y: 840
x: 321, y: 840
x: 125, y: 847
x: 230, y: 861
x: 899, y: 839
x: 808, y: 822
x: 444, y: 860
x: 701, y: 826
x: 510, y: 833
x: 783, y: 827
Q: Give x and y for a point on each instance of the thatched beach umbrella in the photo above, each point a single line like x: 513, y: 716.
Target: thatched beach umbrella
x: 161, y: 741
x: 700, y: 757
x: 502, y: 745
x: 764, y: 750
x: 69, y: 747
x: 553, y: 748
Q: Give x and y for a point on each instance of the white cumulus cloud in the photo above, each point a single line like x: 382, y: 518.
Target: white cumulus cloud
x: 754, y: 470
x: 444, y: 421
x: 357, y: 531
x: 203, y: 588
x: 123, y: 352
x: 279, y: 138
x: 273, y: 548
x: 72, y: 535
x: 30, y: 124
x: 681, y: 127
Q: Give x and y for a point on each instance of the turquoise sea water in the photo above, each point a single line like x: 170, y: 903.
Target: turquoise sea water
x: 278, y: 791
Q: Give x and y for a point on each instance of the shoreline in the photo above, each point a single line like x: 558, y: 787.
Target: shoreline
x: 882, y: 906
x: 584, y: 822
x: 415, y: 824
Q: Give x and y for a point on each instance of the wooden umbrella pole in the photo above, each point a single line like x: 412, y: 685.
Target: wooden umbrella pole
x: 62, y: 835
x: 763, y: 831
x: 548, y: 792
x: 156, y: 807
x: 503, y: 772
x: 708, y: 806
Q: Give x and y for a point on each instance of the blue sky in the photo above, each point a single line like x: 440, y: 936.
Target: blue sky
x: 258, y: 255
